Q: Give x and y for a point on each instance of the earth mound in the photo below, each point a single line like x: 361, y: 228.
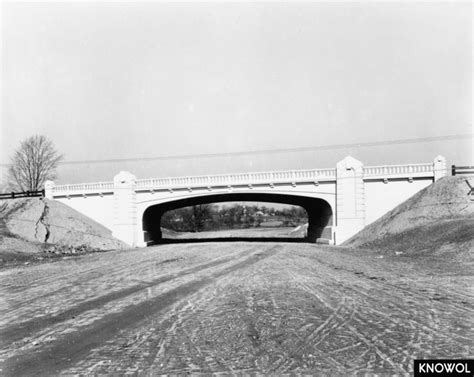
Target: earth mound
x: 40, y: 220
x: 438, y: 219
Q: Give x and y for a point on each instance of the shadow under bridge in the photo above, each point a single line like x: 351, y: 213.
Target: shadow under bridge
x: 320, y: 214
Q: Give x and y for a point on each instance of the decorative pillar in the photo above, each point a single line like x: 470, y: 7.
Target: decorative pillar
x: 48, y: 189
x: 439, y: 167
x: 125, y: 208
x: 350, y: 198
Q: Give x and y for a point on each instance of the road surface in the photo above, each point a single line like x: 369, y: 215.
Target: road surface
x: 232, y: 307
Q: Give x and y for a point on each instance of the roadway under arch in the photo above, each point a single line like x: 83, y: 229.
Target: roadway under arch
x: 320, y: 213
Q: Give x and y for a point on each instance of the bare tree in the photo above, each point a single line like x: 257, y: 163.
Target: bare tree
x: 33, y: 163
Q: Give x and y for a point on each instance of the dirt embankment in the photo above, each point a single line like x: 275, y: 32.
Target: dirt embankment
x: 32, y: 224
x: 439, y: 219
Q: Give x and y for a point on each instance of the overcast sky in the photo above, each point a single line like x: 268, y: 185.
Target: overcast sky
x: 140, y: 80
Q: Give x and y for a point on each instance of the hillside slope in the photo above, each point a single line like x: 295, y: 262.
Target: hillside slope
x: 42, y: 220
x: 438, y: 219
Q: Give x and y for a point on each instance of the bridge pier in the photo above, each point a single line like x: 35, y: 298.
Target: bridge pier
x: 439, y: 167
x: 350, y: 198
x: 125, y: 208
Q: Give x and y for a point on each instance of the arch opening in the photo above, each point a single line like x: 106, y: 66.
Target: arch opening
x: 318, y: 227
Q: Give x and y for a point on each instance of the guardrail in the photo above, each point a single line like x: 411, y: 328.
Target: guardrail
x: 462, y: 170
x: 25, y: 194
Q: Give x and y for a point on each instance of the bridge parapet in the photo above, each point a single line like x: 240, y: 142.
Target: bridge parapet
x: 289, y: 176
x: 382, y: 172
x: 86, y: 188
x: 399, y: 171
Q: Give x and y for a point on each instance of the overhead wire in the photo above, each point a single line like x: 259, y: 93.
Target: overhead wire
x: 274, y: 151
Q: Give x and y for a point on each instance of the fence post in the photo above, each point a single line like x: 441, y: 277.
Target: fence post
x: 13, y: 195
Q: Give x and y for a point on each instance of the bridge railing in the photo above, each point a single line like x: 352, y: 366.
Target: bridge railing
x: 242, y: 178
x: 94, y: 186
x: 399, y: 170
x: 273, y: 177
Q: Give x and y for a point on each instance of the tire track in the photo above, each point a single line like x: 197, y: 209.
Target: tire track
x: 157, y: 350
x: 209, y: 361
x: 28, y: 328
x: 67, y: 351
x: 64, y: 278
x: 416, y: 324
x: 417, y: 318
x: 285, y: 315
x: 345, y: 323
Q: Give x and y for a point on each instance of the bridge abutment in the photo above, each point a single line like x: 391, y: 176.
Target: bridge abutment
x: 320, y: 222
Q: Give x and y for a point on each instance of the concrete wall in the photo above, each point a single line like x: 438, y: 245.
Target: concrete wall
x: 382, y: 197
x: 98, y: 208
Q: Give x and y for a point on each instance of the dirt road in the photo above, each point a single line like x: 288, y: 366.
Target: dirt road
x: 242, y: 307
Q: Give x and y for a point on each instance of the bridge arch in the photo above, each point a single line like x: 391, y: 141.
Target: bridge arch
x: 356, y: 194
x: 320, y: 212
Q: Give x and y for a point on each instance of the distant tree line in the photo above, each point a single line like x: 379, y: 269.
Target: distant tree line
x: 212, y: 217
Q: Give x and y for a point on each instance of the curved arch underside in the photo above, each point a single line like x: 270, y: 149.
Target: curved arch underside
x: 319, y: 211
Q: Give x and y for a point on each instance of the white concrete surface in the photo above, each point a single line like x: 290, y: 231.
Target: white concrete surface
x: 357, y: 195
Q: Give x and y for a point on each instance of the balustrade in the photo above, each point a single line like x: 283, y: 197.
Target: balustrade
x: 95, y: 186
x: 393, y: 170
x: 241, y: 178
x: 290, y: 176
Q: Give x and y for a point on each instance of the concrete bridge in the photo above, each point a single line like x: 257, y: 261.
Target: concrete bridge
x: 339, y: 201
